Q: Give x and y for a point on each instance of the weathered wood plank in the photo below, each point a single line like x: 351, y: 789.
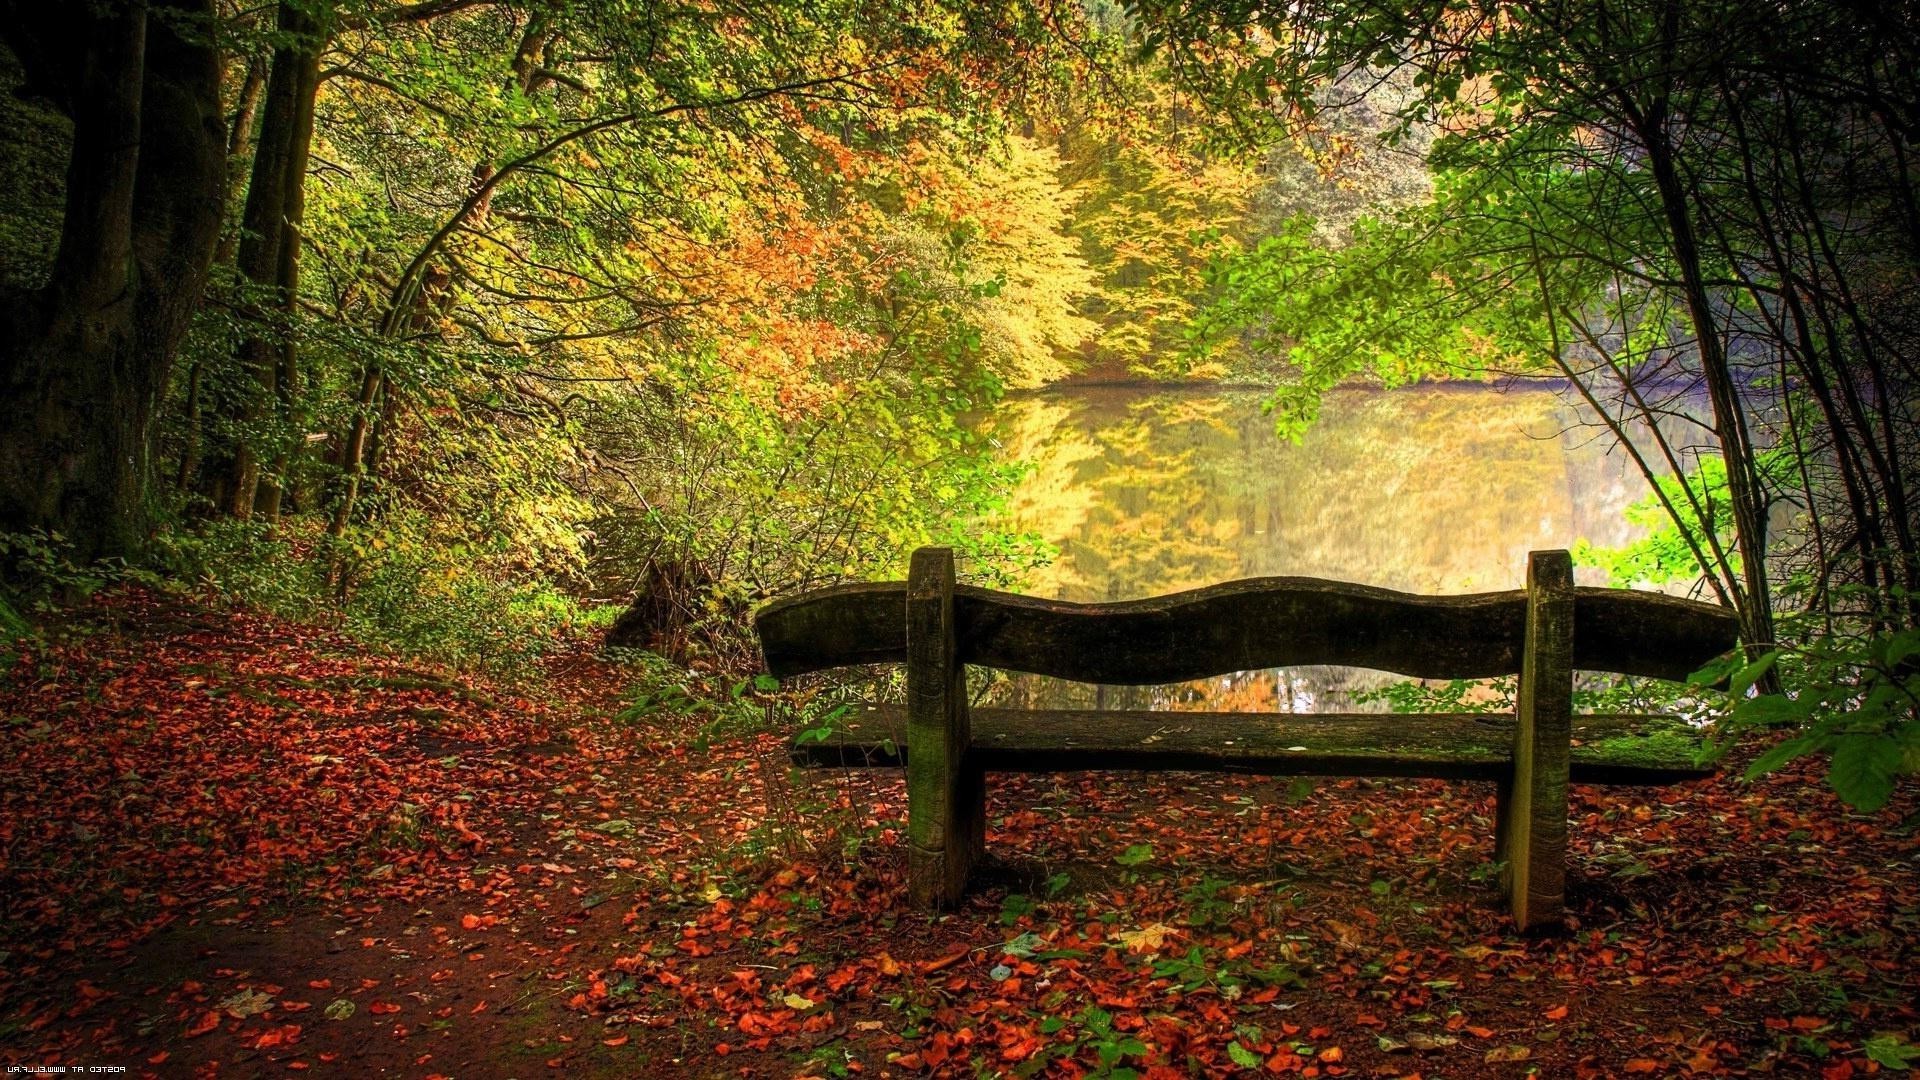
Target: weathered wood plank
x: 941, y: 785
x: 1622, y: 750
x: 1245, y: 626
x: 1533, y: 811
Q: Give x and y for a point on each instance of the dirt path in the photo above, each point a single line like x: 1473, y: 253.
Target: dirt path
x: 237, y: 847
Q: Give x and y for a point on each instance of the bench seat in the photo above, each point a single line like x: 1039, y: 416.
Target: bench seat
x: 1625, y: 750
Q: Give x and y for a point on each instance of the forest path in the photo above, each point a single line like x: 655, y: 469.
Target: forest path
x: 237, y: 846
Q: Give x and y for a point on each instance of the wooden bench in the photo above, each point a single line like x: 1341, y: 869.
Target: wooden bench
x: 1542, y: 634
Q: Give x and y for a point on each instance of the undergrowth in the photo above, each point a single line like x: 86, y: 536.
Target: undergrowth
x: 467, y: 608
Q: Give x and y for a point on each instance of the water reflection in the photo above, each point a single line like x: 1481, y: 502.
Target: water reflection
x: 1426, y: 489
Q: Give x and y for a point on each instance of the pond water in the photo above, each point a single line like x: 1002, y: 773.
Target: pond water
x: 1436, y: 489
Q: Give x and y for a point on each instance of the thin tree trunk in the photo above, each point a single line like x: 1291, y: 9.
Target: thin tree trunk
x: 268, y: 258
x: 1729, y: 420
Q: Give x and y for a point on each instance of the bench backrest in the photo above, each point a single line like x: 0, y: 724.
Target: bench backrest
x: 1243, y: 626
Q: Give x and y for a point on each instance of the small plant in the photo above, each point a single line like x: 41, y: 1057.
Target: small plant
x: 1452, y: 696
x: 39, y: 571
x: 1854, y: 698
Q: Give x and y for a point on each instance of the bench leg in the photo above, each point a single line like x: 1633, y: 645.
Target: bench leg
x: 943, y: 791
x: 1533, y: 808
x: 974, y: 802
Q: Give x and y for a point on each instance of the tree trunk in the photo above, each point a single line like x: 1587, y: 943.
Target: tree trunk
x: 1729, y: 421
x: 417, y: 298
x: 85, y: 358
x: 268, y: 262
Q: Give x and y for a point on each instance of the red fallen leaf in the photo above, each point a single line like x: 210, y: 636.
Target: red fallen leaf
x: 1284, y: 1061
x: 1808, y: 1023
x: 382, y: 1008
x: 1332, y: 1054
x: 1558, y: 1012
x: 1480, y: 1032
x: 1642, y: 1065
x: 722, y: 1049
x: 317, y: 984
x: 159, y: 1057
x: 207, y: 1022
x: 1839, y: 1070
x: 470, y: 922
x: 617, y: 1040
x: 943, y: 962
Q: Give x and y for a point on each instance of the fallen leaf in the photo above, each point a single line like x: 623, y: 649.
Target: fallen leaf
x: 246, y: 1003
x: 207, y: 1022
x: 1147, y: 938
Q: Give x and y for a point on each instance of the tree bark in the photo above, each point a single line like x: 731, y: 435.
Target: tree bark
x: 268, y: 263
x: 85, y: 358
x: 1729, y: 420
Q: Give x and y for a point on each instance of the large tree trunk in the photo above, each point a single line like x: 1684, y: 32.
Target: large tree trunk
x: 84, y: 359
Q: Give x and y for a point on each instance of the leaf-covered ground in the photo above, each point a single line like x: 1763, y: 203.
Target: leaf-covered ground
x: 238, y: 847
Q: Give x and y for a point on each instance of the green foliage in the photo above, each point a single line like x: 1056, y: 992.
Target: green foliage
x: 40, y: 571
x: 1451, y: 696
x: 13, y: 625
x: 33, y: 142
x: 1671, y: 547
x: 397, y: 587
x: 1853, y: 697
x: 1891, y: 1051
x: 1666, y: 551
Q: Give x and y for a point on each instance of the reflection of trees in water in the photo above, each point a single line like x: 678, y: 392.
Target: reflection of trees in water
x: 1125, y: 486
x: 1303, y: 689
x: 1423, y: 489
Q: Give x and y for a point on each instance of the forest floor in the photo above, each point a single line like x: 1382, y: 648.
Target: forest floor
x: 234, y: 846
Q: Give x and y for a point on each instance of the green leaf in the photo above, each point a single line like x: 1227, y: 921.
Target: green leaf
x: 1135, y: 855
x: 1891, y: 1051
x: 766, y: 684
x: 1242, y: 1056
x: 1779, y: 754
x: 1902, y: 645
x: 12, y: 625
x: 1769, y: 710
x: 1740, y: 681
x: 1863, y: 770
x: 1025, y: 945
